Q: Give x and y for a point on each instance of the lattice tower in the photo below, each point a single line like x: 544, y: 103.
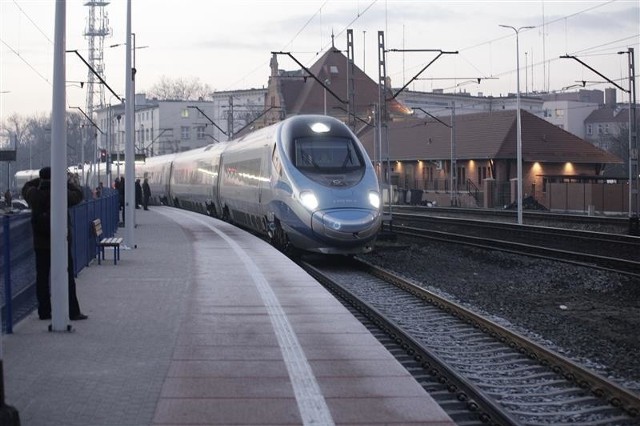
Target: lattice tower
x: 96, y: 30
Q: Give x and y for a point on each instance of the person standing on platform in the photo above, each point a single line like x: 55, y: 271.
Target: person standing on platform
x: 120, y: 188
x: 146, y: 194
x: 37, y: 193
x: 138, y: 193
x: 99, y: 190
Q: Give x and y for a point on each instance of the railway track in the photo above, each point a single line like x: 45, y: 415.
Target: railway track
x: 614, y: 252
x: 499, y: 376
x: 609, y: 224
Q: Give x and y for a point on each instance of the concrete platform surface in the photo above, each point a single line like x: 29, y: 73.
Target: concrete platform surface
x: 204, y: 324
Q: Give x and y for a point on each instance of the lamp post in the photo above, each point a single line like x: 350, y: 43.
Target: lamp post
x: 327, y: 82
x: 519, y: 123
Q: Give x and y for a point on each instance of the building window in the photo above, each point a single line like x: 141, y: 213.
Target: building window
x: 599, y: 129
x: 184, y: 113
x: 200, y: 132
x: 559, y: 113
x: 184, y: 133
x: 589, y: 129
x: 606, y: 129
x: 482, y: 174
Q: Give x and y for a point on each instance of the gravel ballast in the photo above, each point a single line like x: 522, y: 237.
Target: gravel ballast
x: 588, y: 315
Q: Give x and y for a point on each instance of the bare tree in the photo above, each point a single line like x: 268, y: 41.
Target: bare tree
x: 618, y: 145
x: 179, y: 89
x: 32, y: 135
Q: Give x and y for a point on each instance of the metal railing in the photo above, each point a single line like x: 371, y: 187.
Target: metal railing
x: 17, y: 258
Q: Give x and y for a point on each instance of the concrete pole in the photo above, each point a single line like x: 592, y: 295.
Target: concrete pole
x: 129, y: 156
x: 519, y: 130
x: 59, y: 257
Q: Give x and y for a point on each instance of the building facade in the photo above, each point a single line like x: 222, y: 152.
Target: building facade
x: 169, y: 126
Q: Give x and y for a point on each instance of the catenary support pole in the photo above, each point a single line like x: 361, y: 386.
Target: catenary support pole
x: 129, y: 156
x: 59, y: 260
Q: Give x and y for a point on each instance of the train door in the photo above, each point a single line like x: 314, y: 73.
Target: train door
x: 265, y: 178
x: 215, y: 191
x: 169, y: 174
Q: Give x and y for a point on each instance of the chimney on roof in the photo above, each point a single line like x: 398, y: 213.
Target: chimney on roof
x: 610, y: 97
x: 274, y: 65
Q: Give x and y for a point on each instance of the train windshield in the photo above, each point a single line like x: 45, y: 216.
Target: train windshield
x: 336, y: 155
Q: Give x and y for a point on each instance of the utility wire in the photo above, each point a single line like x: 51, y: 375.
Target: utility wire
x: 15, y: 52
x: 26, y: 62
x: 305, y: 25
x: 489, y: 42
x: 358, y: 16
x: 31, y: 20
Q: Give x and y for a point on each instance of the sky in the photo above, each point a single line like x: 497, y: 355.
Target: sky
x: 227, y: 44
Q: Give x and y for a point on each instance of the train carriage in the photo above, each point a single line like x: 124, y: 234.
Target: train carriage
x: 305, y: 183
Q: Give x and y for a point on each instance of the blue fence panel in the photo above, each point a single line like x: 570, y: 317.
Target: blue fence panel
x: 17, y: 258
x: 18, y: 268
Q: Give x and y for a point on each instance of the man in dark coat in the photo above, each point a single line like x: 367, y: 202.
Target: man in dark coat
x: 120, y: 188
x: 138, y: 193
x: 146, y: 193
x: 37, y: 193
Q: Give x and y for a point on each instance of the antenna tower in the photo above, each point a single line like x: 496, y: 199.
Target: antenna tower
x: 97, y: 29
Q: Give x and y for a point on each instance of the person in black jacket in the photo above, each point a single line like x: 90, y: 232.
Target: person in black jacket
x: 37, y: 193
x: 138, y: 188
x: 146, y: 193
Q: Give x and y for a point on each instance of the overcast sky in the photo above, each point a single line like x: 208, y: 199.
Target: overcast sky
x: 228, y: 44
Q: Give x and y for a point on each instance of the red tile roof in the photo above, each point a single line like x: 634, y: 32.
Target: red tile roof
x: 304, y: 95
x: 490, y: 135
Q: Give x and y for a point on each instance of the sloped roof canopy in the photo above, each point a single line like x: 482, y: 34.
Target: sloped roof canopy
x: 304, y: 95
x: 490, y: 135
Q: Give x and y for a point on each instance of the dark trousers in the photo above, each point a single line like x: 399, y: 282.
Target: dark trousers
x: 145, y: 202
x: 43, y: 292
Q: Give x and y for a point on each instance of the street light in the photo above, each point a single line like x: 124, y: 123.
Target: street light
x: 519, y: 123
x: 327, y: 82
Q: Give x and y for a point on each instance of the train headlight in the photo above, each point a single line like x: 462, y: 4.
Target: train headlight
x: 320, y: 127
x: 309, y: 200
x: 374, y: 199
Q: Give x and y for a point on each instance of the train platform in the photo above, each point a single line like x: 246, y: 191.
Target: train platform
x: 205, y: 324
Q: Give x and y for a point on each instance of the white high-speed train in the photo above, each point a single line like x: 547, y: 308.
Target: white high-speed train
x: 89, y: 177
x: 305, y: 183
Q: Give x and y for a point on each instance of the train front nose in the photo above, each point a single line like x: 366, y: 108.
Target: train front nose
x: 346, y: 225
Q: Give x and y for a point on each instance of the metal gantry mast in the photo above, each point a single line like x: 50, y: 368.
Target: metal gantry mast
x: 351, y: 105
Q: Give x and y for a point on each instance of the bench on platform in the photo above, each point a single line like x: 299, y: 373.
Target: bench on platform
x: 101, y: 243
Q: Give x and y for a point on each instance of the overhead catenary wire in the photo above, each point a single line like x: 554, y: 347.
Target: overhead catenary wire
x: 546, y: 25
